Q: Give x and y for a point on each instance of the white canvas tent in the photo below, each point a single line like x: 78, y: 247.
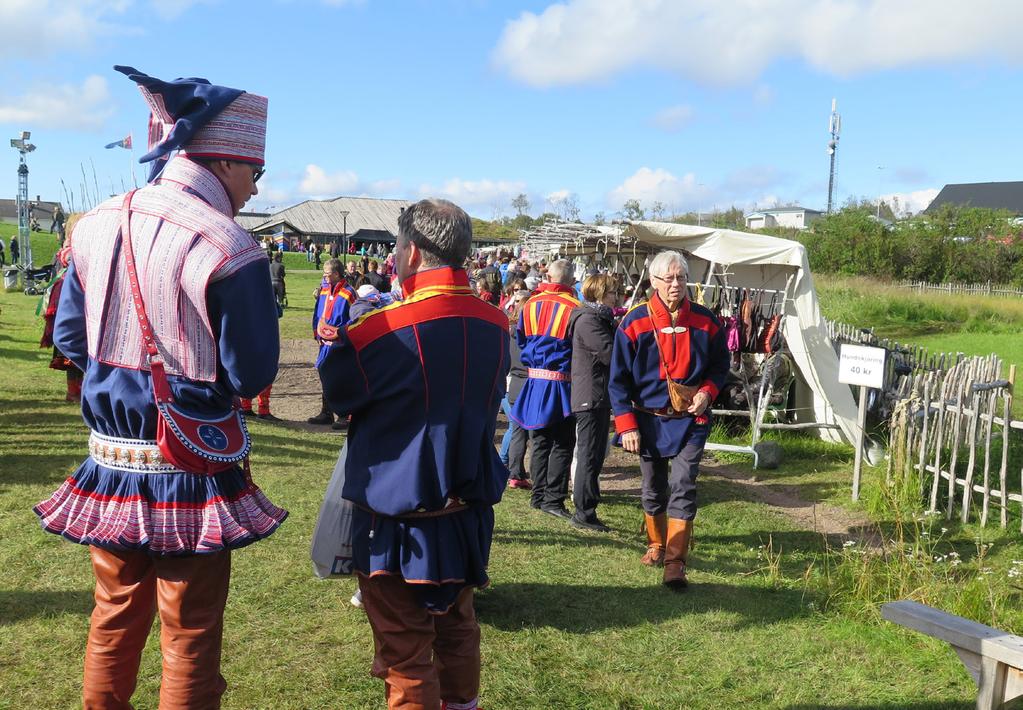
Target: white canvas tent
x: 752, y: 261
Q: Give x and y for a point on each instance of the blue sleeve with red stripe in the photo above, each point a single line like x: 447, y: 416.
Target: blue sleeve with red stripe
x: 620, y: 385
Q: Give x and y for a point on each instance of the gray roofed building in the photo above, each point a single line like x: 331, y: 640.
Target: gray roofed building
x: 992, y: 195
x: 43, y: 211
x: 369, y: 219
x: 251, y: 220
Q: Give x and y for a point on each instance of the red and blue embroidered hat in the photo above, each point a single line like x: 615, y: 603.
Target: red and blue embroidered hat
x: 200, y: 119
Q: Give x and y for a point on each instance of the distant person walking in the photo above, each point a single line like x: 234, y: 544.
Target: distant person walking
x: 15, y: 250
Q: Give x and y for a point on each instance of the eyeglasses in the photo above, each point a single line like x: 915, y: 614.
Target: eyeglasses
x: 258, y: 173
x: 678, y: 278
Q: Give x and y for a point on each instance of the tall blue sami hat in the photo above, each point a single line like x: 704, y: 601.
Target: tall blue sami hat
x: 200, y: 119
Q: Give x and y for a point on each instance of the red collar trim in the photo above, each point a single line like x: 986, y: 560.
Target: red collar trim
x: 433, y: 278
x: 338, y: 286
x: 555, y: 288
x: 659, y: 313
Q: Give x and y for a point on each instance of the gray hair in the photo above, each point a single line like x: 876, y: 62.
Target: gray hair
x: 561, y: 272
x: 441, y: 229
x: 660, y: 263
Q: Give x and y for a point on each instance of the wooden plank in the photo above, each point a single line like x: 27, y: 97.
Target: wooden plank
x: 985, y: 505
x: 939, y: 442
x: 988, y: 642
x: 923, y: 434
x: 956, y: 433
x: 970, y: 463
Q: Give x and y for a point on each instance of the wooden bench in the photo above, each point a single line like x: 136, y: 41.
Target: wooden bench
x: 994, y: 658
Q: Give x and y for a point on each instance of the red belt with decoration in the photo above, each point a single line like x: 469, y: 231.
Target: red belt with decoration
x: 538, y: 374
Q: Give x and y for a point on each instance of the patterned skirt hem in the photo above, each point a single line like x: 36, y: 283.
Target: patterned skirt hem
x: 219, y: 523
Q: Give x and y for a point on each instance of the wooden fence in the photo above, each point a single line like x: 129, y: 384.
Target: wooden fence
x: 953, y: 433
x: 950, y: 425
x: 903, y: 359
x: 983, y: 289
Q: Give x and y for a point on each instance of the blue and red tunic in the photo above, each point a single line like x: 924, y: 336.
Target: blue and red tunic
x: 546, y: 342
x: 423, y: 380
x: 331, y: 313
x: 693, y: 349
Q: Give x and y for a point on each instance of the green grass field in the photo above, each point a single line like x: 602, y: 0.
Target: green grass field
x: 572, y: 619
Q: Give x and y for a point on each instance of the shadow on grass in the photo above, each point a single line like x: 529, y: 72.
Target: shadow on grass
x: 922, y: 705
x: 16, y: 605
x: 585, y: 608
x: 569, y: 538
x: 26, y: 355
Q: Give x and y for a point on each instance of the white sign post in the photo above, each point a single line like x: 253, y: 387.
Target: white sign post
x: 863, y: 366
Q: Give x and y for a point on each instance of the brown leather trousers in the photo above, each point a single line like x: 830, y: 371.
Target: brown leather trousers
x: 190, y: 594
x: 422, y: 658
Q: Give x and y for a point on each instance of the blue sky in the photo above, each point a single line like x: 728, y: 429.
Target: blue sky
x: 696, y: 104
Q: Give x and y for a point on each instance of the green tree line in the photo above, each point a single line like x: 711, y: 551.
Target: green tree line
x: 953, y: 243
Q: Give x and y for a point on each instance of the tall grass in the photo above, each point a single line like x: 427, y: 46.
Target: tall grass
x: 897, y: 312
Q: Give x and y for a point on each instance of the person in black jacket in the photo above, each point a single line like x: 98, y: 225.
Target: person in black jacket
x: 592, y: 341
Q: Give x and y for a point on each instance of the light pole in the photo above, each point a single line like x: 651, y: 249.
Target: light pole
x: 344, y: 238
x: 24, y: 232
x: 879, y: 169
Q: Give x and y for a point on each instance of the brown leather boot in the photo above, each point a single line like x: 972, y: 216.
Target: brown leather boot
x: 656, y: 534
x: 676, y: 552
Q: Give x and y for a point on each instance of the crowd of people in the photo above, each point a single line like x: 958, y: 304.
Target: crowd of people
x: 417, y: 354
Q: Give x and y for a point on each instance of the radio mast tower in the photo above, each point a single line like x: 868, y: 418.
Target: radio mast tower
x: 834, y: 128
x: 23, y: 147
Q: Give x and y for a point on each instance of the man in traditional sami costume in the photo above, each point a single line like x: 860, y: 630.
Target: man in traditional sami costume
x: 331, y: 313
x: 52, y: 299
x: 667, y: 342
x: 160, y: 537
x: 544, y: 407
x: 423, y: 380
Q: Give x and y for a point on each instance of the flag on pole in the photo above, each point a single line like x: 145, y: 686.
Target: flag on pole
x: 123, y: 143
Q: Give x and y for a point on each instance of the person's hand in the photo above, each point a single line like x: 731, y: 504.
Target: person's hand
x: 630, y: 441
x: 700, y: 403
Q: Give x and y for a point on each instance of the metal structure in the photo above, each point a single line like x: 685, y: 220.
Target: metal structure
x: 834, y: 128
x: 23, y: 147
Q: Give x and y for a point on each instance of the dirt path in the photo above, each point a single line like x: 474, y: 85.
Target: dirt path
x: 296, y: 396
x: 296, y: 392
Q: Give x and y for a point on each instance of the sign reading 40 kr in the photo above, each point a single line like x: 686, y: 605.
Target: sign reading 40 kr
x: 861, y: 365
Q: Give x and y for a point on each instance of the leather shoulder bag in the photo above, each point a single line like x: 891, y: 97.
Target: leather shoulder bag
x: 192, y: 442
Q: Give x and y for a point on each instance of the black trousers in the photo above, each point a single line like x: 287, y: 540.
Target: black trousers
x: 551, y: 463
x: 674, y: 494
x: 591, y: 448
x: 517, y: 453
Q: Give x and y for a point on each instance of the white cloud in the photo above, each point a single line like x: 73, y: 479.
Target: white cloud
x: 68, y: 106
x: 172, y: 9
x: 41, y: 27
x: 577, y: 41
x: 317, y: 183
x: 673, y: 118
x: 649, y: 186
x: 910, y: 202
x: 470, y: 194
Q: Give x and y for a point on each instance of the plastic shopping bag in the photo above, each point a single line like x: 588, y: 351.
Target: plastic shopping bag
x: 332, y: 537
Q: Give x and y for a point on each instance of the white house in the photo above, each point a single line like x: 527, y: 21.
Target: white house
x: 795, y: 217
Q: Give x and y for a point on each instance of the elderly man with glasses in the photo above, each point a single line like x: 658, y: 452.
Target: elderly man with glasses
x: 669, y: 361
